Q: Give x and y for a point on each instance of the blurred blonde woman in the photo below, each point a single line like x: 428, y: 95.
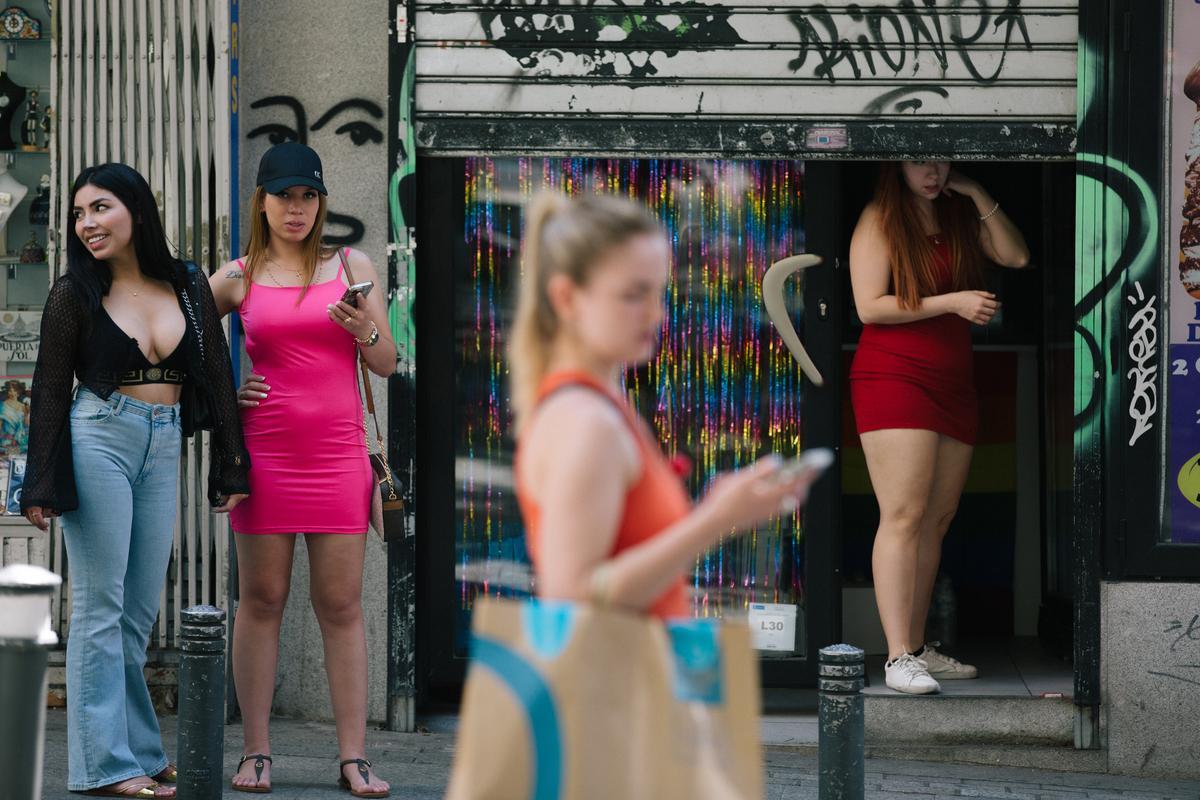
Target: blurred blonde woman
x: 607, y: 518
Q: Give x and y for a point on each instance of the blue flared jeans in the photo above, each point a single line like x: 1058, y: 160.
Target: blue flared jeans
x: 119, y: 540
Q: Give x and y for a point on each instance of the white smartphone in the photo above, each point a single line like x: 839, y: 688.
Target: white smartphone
x: 816, y: 461
x: 351, y: 295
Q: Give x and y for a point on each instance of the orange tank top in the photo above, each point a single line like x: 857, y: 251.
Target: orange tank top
x: 654, y: 501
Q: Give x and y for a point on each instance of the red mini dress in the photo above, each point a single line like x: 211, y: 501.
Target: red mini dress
x: 656, y: 500
x: 918, y: 375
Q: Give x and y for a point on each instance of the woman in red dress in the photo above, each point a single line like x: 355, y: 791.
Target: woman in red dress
x: 916, y: 262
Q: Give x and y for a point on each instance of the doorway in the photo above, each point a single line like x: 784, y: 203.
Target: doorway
x: 1005, y: 561
x: 722, y: 392
x: 1002, y: 599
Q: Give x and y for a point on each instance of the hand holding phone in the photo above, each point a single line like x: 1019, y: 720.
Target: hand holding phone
x: 810, y: 464
x: 351, y: 295
x: 814, y: 461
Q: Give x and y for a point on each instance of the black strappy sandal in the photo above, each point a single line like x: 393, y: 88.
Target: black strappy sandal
x: 260, y: 760
x: 363, y: 767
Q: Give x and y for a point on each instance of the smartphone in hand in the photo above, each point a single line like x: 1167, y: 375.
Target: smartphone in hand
x: 814, y: 461
x: 350, y: 297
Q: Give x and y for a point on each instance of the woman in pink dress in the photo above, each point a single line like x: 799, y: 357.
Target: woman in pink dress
x: 310, y: 473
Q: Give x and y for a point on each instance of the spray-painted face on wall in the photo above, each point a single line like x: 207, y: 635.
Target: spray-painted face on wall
x: 347, y: 122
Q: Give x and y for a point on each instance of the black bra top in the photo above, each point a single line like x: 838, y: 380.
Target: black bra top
x: 138, y: 370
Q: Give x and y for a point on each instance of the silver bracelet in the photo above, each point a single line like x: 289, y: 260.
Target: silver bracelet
x: 995, y: 208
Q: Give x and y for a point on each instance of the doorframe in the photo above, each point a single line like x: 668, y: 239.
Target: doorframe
x: 821, y: 426
x: 1120, y: 183
x: 438, y: 673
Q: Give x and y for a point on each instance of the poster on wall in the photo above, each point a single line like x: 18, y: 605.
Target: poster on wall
x: 20, y: 335
x: 4, y: 486
x: 1183, y: 381
x: 16, y: 477
x: 14, y: 415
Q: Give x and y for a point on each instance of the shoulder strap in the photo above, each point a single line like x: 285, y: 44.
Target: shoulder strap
x: 362, y: 365
x: 346, y: 265
x: 246, y: 282
x: 579, y: 381
x: 195, y: 311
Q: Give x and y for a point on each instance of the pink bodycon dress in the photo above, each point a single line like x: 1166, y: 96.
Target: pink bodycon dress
x: 309, y: 471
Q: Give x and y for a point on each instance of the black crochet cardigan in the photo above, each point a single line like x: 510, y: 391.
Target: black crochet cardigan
x: 71, y: 347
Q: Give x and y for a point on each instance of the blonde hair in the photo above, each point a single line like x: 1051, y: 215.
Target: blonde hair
x: 315, y: 251
x: 563, y: 236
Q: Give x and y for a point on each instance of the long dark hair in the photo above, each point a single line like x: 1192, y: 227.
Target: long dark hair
x: 913, y: 272
x: 92, y: 277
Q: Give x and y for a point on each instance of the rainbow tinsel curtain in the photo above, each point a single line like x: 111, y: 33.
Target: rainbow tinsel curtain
x: 723, y: 389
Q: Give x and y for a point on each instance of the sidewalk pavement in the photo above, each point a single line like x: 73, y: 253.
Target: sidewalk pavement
x: 418, y: 765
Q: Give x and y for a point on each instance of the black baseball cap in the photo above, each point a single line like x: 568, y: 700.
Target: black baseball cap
x: 290, y: 164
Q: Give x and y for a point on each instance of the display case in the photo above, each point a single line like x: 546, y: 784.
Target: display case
x: 26, y: 134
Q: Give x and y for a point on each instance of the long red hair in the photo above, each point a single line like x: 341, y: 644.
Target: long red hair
x: 910, y: 252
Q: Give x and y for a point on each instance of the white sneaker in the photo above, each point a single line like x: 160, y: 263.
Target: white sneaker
x: 943, y: 667
x: 907, y: 673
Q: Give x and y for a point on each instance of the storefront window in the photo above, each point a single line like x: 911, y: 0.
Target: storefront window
x: 1183, y: 324
x: 25, y: 133
x: 722, y: 391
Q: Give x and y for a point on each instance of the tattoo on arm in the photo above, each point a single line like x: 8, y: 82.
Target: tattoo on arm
x: 234, y: 274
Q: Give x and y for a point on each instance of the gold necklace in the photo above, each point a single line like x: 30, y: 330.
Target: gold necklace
x: 271, y: 274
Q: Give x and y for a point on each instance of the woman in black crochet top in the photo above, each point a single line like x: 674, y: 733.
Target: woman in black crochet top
x: 139, y: 330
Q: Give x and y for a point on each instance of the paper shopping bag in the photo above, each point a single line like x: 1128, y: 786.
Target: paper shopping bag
x: 566, y: 701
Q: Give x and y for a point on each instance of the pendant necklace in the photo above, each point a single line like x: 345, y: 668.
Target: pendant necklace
x: 271, y: 274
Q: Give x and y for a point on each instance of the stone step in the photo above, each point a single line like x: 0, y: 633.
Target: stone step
x: 948, y: 720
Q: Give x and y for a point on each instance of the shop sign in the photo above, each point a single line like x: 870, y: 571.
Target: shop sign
x: 773, y: 626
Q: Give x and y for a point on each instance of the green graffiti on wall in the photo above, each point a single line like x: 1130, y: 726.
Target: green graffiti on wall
x: 400, y: 305
x: 1116, y: 243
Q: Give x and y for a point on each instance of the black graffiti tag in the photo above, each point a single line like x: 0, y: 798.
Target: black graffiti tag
x: 889, y: 36
x: 1188, y: 673
x: 544, y: 36
x: 1191, y: 631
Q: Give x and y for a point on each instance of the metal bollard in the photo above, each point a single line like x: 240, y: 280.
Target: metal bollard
x: 25, y: 635
x: 840, y: 766
x: 201, y: 746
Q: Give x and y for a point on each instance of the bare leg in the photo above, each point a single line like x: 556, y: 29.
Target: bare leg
x: 901, y: 463
x: 950, y: 474
x: 336, y: 562
x: 264, y: 578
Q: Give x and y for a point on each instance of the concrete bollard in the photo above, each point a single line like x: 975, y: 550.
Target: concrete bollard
x: 25, y: 635
x: 840, y: 765
x: 201, y: 746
